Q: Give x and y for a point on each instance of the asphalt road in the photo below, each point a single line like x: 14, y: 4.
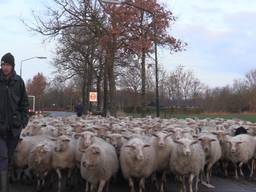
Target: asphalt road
x: 221, y: 185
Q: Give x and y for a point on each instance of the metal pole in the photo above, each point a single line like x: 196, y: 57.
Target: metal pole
x: 156, y: 68
x: 21, y: 68
x: 27, y: 60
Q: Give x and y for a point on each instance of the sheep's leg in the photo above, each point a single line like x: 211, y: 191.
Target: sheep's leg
x: 252, y: 168
x: 38, y: 185
x: 197, y: 181
x: 69, y: 179
x: 236, y: 174
x: 131, y: 185
x: 93, y: 188
x: 154, y: 181
x: 208, y: 172
x: 142, y: 185
x: 240, y: 168
x: 225, y: 167
x: 184, y: 183
x: 181, y: 184
x: 87, y: 187
x: 101, y: 185
x: 107, y: 186
x: 59, y: 179
x: 163, y: 182
x: 191, y: 177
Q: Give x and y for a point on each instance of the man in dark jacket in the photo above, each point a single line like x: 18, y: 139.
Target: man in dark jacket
x: 13, y: 114
x: 79, y: 109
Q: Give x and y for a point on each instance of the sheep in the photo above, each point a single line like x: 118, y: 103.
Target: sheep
x: 98, y: 163
x: 22, y: 151
x: 212, y: 149
x: 187, y: 158
x: 86, y: 138
x: 240, y: 130
x: 137, y: 159
x: 39, y: 162
x: 116, y: 140
x: 240, y: 152
x: 63, y: 156
x: 223, y: 138
x: 163, y: 146
x: 24, y: 146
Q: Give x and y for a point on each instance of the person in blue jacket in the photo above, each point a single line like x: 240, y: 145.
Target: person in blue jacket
x: 13, y: 114
x: 79, y: 109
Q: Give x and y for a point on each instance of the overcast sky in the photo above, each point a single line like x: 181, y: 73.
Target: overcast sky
x: 221, y: 36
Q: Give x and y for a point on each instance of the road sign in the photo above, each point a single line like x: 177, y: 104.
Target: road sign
x: 93, y: 97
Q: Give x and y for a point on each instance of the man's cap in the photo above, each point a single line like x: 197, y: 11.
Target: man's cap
x: 8, y: 58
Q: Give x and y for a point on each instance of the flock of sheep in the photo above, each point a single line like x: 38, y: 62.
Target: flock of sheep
x: 139, y: 148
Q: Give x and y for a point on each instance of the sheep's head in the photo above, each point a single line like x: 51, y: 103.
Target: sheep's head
x: 185, y: 145
x: 91, y: 157
x: 136, y: 149
x: 40, y: 152
x: 62, y: 143
x: 115, y: 139
x: 86, y: 139
x: 161, y: 138
x: 234, y: 145
x: 206, y: 143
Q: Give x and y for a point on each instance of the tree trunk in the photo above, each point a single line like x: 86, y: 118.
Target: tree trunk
x: 143, y: 83
x: 105, y: 88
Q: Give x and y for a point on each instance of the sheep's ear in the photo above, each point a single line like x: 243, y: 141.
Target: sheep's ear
x: 177, y: 141
x: 129, y: 146
x: 154, y: 134
x: 195, y: 136
x: 82, y: 150
x: 146, y: 145
x: 214, y: 133
x: 212, y: 140
x: 66, y: 140
x: 168, y: 135
x: 171, y: 131
x: 53, y: 139
x: 127, y: 137
x: 194, y: 142
x: 240, y: 142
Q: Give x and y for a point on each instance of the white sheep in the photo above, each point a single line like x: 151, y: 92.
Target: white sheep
x: 187, y: 159
x: 39, y: 162
x: 212, y: 149
x: 63, y: 156
x: 98, y: 164
x: 163, y: 145
x: 85, y: 139
x: 137, y: 159
x: 242, y: 150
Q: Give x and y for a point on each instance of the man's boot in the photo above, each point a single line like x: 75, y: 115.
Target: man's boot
x: 4, y: 181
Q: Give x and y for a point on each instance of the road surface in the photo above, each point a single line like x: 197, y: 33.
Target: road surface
x: 221, y: 185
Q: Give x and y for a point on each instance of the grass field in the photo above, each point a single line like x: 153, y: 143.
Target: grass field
x: 243, y: 116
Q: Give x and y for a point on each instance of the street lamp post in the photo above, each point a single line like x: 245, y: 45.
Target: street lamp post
x: 21, y: 62
x: 127, y: 2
